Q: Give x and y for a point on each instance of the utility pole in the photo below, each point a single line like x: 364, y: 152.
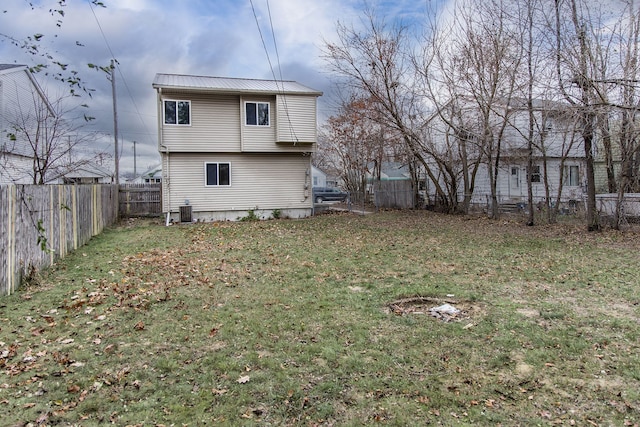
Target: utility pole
x: 135, y: 173
x: 115, y: 121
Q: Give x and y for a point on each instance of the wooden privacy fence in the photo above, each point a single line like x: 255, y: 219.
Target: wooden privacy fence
x: 41, y: 223
x: 398, y: 194
x: 140, y: 200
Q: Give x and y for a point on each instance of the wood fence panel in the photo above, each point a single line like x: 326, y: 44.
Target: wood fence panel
x: 140, y: 200
x: 394, y: 194
x: 42, y: 223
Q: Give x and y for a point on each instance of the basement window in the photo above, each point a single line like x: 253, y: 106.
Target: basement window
x: 217, y: 174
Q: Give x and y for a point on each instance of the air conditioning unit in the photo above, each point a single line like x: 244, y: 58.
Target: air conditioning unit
x: 186, y: 213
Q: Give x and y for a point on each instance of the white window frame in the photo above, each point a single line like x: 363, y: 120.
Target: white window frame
x: 568, y: 175
x: 514, y: 177
x: 206, y: 174
x: 177, y: 102
x: 257, y: 109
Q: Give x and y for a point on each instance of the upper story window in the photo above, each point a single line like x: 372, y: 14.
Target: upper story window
x: 257, y: 113
x: 177, y: 112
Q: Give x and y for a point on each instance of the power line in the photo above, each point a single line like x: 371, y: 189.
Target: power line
x: 264, y: 45
x: 284, y: 97
x: 124, y: 81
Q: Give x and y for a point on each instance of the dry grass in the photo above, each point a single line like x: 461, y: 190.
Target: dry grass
x: 326, y: 322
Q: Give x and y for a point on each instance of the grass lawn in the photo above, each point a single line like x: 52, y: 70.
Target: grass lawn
x: 327, y: 321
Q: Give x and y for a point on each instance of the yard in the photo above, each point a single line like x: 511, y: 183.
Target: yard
x: 327, y: 321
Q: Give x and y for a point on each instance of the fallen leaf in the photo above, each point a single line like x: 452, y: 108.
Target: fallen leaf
x: 243, y: 380
x: 139, y: 326
x: 74, y: 388
x: 213, y: 332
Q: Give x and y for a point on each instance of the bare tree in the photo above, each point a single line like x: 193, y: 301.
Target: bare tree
x: 48, y: 134
x: 475, y: 60
x: 377, y: 62
x: 36, y: 45
x: 356, y: 143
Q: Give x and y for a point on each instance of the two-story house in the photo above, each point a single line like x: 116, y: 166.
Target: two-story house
x: 557, y: 151
x: 232, y: 146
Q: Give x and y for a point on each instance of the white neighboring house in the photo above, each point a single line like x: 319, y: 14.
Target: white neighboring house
x: 558, y: 151
x: 319, y: 177
x: 152, y: 175
x: 85, y: 173
x: 230, y: 146
x: 18, y: 88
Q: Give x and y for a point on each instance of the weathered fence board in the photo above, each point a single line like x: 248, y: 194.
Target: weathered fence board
x: 42, y: 223
x: 394, y: 194
x: 140, y: 200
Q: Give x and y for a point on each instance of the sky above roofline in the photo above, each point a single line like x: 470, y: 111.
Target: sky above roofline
x: 255, y: 39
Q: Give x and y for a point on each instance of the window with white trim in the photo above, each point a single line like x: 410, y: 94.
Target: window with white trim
x: 217, y: 174
x: 177, y: 112
x: 256, y: 113
x: 571, y: 176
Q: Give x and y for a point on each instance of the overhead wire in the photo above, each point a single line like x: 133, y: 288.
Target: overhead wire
x: 284, y: 97
x: 266, y: 50
x: 124, y: 80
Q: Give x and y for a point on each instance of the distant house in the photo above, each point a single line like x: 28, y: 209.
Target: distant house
x: 230, y: 146
x: 319, y: 177
x: 152, y: 175
x: 558, y: 153
x: 18, y: 90
x: 85, y: 173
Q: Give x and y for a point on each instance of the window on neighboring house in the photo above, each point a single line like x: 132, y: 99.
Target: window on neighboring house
x: 536, y: 176
x: 257, y: 113
x: 218, y: 174
x: 177, y: 112
x: 515, y: 177
x: 571, y: 177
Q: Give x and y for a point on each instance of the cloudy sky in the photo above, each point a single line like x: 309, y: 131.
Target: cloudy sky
x: 200, y: 37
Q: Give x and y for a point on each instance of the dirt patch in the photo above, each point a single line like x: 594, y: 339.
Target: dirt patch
x: 429, y: 306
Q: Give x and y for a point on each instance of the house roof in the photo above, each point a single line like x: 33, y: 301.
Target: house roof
x: 153, y: 172
x: 4, y: 67
x: 85, y: 170
x: 231, y: 85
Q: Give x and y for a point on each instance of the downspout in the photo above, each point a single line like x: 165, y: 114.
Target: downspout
x: 165, y: 168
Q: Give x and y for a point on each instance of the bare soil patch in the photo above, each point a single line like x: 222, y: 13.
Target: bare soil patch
x: 419, y: 305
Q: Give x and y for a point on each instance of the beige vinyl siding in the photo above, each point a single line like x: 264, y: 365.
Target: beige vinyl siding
x: 215, y: 125
x: 296, y: 119
x: 274, y: 181
x: 258, y: 138
x: 268, y: 139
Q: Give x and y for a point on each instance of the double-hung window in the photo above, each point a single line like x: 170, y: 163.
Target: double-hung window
x: 217, y: 174
x: 177, y: 112
x: 257, y: 113
x: 571, y: 176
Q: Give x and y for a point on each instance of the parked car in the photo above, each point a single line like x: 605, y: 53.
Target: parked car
x: 328, y: 194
